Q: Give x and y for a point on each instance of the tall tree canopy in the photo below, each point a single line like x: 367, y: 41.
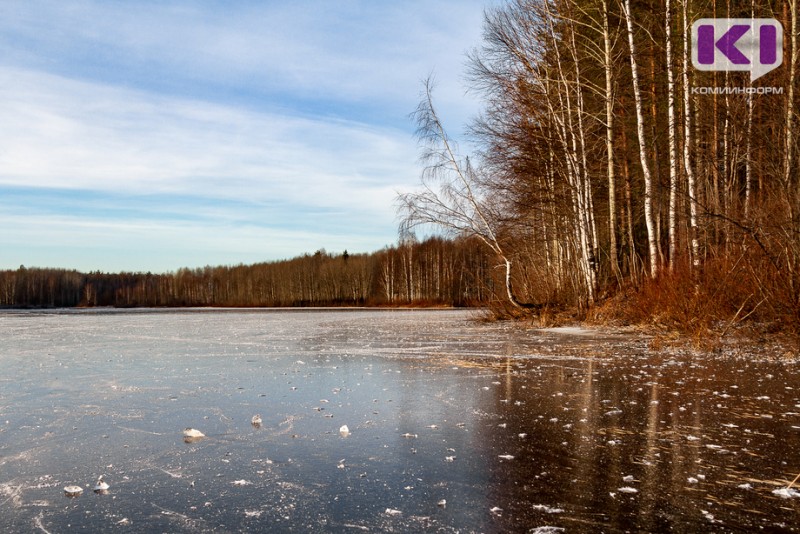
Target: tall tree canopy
x: 607, y: 162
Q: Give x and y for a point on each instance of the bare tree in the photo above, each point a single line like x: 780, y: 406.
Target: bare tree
x: 450, y: 197
x: 608, y: 68
x: 688, y: 164
x: 652, y: 237
x: 790, y: 111
x: 672, y: 133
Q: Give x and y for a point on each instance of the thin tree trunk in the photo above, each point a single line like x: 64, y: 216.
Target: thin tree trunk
x: 655, y: 158
x: 612, y: 188
x: 648, y: 179
x: 687, y: 142
x: 589, y: 243
x: 628, y: 219
x: 673, y: 152
x: 789, y: 147
x: 575, y: 171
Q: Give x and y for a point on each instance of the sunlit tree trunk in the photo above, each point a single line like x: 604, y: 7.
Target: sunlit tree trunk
x: 688, y: 164
x: 790, y: 112
x: 589, y: 244
x: 608, y: 67
x: 575, y: 160
x: 673, y: 151
x: 652, y: 238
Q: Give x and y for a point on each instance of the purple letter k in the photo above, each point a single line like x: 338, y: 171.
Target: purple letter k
x: 726, y: 44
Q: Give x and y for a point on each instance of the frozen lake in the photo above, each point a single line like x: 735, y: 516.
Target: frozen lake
x: 453, y: 426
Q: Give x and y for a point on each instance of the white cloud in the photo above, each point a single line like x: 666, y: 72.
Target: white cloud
x: 358, y: 52
x: 60, y: 133
x: 274, y: 186
x: 276, y: 128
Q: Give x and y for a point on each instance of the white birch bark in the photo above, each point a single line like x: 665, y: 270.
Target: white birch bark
x: 652, y: 238
x: 570, y: 143
x: 457, y: 205
x: 612, y: 188
x: 789, y: 146
x: 688, y: 165
x: 589, y: 244
x: 673, y: 151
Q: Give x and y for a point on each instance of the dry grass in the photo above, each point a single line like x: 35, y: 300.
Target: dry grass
x: 723, y: 299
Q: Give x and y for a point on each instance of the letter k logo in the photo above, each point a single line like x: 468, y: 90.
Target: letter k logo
x: 754, y: 45
x: 726, y: 44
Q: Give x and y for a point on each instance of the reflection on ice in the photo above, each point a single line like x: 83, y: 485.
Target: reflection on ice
x: 451, y: 426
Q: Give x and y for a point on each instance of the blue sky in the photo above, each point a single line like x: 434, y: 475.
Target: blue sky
x: 152, y: 135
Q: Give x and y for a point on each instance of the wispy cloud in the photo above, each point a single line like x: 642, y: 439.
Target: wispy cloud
x: 219, y: 126
x: 62, y: 133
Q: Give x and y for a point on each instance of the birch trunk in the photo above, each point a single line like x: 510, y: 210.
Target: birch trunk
x: 687, y: 142
x: 575, y: 169
x: 589, y: 243
x: 612, y: 188
x: 788, y: 149
x: 652, y: 239
x: 673, y: 152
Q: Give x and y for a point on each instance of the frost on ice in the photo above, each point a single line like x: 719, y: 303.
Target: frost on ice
x: 786, y: 493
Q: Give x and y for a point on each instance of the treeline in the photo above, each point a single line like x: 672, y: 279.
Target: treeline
x: 433, y: 272
x: 612, y: 173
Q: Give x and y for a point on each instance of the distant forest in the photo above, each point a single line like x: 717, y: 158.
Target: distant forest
x: 434, y: 272
x: 609, y: 179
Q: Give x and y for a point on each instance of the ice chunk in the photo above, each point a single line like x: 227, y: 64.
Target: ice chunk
x: 786, y: 493
x: 101, y: 486
x: 548, y: 509
x: 73, y: 491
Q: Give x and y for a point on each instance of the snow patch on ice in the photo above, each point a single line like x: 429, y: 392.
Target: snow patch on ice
x: 786, y: 493
x: 547, y: 509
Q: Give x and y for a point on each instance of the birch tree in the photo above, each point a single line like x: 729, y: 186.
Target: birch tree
x: 652, y: 237
x: 790, y: 112
x: 672, y: 133
x: 608, y: 68
x: 450, y: 197
x: 688, y: 141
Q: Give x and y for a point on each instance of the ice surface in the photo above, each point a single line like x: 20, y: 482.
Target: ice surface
x: 460, y: 426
